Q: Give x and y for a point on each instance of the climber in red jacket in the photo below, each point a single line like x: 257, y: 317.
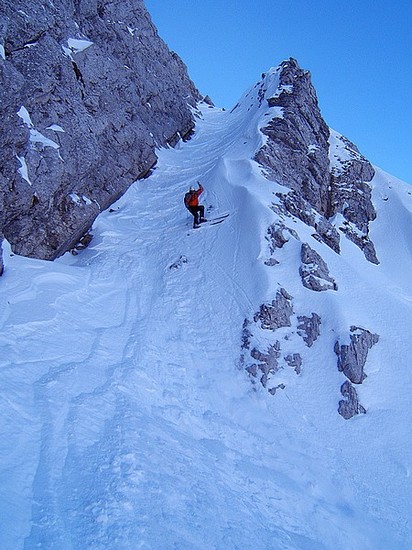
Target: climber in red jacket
x: 192, y: 204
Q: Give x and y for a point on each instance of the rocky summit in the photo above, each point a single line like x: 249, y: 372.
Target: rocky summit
x: 88, y: 91
x: 300, y: 153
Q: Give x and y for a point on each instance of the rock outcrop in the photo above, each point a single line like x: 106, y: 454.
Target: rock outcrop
x: 308, y: 328
x: 292, y: 204
x: 88, y: 91
x: 351, y: 361
x: 278, y: 234
x: 294, y: 361
x: 314, y: 272
x: 277, y: 314
x: 267, y: 363
x: 325, y: 171
x: 263, y: 365
x: 267, y: 357
x: 350, y: 194
x: 349, y: 406
x: 296, y: 153
x: 352, y: 357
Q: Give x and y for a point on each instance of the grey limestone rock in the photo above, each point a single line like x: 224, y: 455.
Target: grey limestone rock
x: 267, y: 362
x: 294, y: 204
x: 314, y: 271
x: 326, y: 171
x: 246, y: 334
x: 294, y: 361
x: 351, y: 194
x: 88, y: 92
x: 83, y: 243
x: 265, y: 357
x: 361, y: 240
x: 350, y: 406
x: 352, y: 357
x: 326, y: 233
x: 296, y: 151
x: 271, y: 262
x: 277, y: 314
x: 308, y: 328
x: 273, y: 390
x: 208, y: 101
x: 277, y: 236
x: 263, y: 365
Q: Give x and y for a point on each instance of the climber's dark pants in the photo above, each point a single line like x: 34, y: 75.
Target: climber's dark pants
x: 197, y: 212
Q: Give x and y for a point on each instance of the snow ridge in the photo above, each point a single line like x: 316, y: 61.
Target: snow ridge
x: 128, y: 421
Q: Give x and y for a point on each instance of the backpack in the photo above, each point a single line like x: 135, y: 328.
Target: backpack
x: 190, y: 199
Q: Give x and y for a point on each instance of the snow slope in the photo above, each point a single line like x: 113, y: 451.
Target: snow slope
x: 126, y: 421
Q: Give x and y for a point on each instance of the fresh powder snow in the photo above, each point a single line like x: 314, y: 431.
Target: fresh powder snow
x: 126, y: 420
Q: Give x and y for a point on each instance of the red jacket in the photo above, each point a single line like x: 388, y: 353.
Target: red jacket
x: 192, y: 197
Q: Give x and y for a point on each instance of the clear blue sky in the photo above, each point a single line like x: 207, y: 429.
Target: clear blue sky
x: 359, y: 53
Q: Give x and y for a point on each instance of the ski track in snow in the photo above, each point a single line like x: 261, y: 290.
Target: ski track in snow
x: 126, y: 422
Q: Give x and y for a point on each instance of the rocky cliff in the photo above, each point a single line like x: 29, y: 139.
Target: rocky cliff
x: 302, y: 153
x: 88, y: 91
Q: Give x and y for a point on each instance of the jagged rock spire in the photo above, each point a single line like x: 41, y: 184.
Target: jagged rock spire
x: 324, y: 170
x: 296, y: 153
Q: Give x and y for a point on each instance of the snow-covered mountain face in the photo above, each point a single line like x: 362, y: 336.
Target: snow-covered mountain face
x: 88, y: 91
x: 327, y: 180
x: 242, y: 385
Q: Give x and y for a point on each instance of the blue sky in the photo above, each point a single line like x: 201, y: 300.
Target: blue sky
x: 359, y: 53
